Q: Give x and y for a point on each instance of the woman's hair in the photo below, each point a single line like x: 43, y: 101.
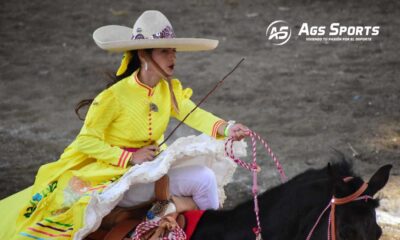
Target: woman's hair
x: 112, y: 78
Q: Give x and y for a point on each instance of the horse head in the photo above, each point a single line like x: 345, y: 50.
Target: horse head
x: 356, y: 218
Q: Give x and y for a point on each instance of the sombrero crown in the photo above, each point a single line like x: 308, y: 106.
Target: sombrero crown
x: 151, y: 30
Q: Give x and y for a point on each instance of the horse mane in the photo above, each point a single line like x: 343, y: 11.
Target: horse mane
x: 339, y: 163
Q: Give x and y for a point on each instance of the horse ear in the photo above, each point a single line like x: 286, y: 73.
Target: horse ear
x: 379, y: 179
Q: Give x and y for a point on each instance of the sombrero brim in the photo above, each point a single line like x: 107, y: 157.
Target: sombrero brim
x: 117, y: 38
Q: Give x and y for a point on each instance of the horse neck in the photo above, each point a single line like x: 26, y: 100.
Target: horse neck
x: 289, y: 207
x: 281, y: 208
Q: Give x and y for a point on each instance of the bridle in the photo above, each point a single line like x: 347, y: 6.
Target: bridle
x: 356, y: 196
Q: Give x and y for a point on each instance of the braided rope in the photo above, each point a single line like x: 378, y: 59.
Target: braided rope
x: 145, y: 227
x: 254, y: 168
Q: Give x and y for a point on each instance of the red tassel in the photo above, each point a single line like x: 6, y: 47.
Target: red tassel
x: 256, y: 230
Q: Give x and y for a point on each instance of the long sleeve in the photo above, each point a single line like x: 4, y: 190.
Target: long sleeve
x: 200, y: 119
x: 102, y: 112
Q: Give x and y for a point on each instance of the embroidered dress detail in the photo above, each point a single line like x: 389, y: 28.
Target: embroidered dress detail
x: 38, y: 197
x: 214, y: 132
x: 48, y: 234
x: 124, y: 159
x: 54, y: 228
x: 58, y: 223
x: 48, y: 229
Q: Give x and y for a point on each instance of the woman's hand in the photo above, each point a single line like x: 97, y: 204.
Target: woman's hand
x: 144, y: 154
x: 238, y: 132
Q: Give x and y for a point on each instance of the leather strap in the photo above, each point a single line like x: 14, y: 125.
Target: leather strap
x: 161, y: 189
x: 341, y: 201
x: 331, y: 232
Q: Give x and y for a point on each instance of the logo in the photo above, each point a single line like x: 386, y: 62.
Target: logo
x: 279, y: 32
x: 338, y: 32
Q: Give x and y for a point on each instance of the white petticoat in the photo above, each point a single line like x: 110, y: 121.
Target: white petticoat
x: 192, y: 150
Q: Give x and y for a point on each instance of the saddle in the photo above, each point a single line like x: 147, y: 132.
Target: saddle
x: 122, y: 221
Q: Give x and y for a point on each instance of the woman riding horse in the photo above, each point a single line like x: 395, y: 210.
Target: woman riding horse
x: 123, y: 128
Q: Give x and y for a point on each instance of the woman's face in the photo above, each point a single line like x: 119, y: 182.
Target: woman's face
x: 165, y: 58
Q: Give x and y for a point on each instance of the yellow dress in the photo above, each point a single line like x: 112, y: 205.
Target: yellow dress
x: 129, y: 114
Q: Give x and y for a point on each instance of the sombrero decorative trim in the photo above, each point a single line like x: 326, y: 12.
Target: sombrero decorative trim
x: 151, y: 30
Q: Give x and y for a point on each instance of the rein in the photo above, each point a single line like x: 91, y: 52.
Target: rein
x: 253, y: 167
x: 356, y: 196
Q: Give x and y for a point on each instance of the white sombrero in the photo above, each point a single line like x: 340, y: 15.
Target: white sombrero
x: 151, y: 30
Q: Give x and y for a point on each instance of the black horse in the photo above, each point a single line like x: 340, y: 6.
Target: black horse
x: 289, y: 211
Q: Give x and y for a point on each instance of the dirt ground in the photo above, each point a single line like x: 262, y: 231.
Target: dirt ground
x: 304, y: 97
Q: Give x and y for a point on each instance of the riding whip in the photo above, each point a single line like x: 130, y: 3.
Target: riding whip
x: 201, y: 101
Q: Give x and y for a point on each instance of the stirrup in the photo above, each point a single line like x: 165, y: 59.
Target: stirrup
x: 160, y: 209
x: 163, y: 204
